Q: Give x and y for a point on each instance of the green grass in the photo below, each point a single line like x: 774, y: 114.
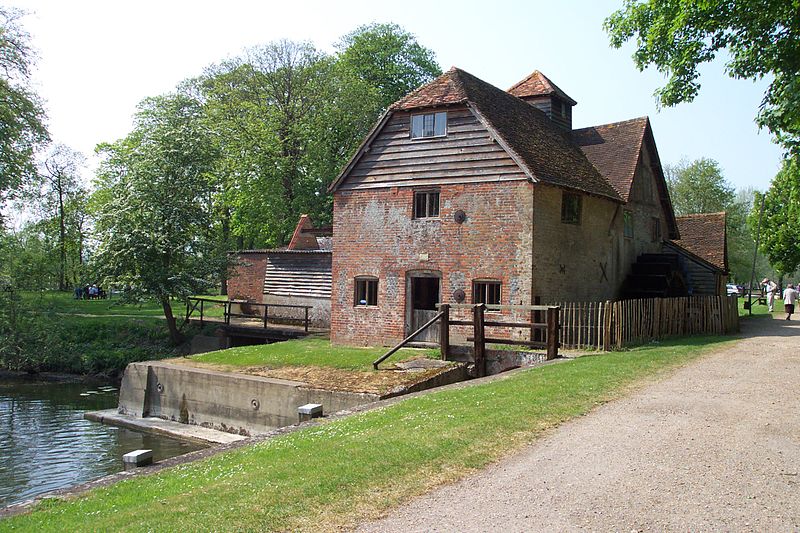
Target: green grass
x: 93, y: 336
x: 306, y: 352
x: 334, y: 474
x: 65, y: 303
x: 759, y: 311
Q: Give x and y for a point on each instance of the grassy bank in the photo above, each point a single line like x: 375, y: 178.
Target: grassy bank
x: 57, y: 333
x: 306, y: 352
x: 334, y: 474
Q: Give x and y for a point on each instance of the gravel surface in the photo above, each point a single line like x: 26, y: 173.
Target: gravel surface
x: 714, y: 446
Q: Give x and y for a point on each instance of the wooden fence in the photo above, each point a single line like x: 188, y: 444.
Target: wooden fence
x: 612, y: 325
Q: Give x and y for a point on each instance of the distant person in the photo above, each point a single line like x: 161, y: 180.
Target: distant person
x: 85, y: 292
x: 789, y: 298
x: 769, y: 288
x: 78, y: 293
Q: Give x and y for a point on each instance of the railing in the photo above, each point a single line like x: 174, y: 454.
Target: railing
x: 548, y: 331
x: 228, y: 313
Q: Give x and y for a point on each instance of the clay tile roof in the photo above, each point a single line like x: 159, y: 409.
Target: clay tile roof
x: 537, y: 84
x: 704, y: 236
x: 614, y: 150
x: 447, y: 89
x: 544, y: 150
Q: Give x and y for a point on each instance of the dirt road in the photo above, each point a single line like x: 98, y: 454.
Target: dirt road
x: 715, y: 446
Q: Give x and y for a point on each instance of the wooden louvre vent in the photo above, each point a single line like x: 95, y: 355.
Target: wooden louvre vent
x: 299, y: 274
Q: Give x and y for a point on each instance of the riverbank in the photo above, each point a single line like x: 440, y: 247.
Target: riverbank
x: 329, y: 475
x: 57, y: 334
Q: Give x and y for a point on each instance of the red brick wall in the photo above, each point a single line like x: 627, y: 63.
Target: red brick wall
x: 247, y: 279
x: 377, y: 236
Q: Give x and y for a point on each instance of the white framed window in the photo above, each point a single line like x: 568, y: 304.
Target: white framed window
x: 429, y: 125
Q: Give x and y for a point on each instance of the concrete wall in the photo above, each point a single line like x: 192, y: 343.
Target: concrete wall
x: 376, y: 235
x: 224, y: 401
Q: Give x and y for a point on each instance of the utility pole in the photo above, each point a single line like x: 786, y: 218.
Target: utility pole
x: 755, y: 255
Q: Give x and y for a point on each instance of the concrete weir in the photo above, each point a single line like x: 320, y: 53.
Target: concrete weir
x: 223, y: 401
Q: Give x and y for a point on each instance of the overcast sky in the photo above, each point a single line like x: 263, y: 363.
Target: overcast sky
x: 98, y: 59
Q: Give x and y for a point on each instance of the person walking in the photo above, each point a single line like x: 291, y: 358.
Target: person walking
x: 770, y: 287
x: 789, y: 298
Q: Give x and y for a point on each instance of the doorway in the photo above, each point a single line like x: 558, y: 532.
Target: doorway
x: 424, y: 294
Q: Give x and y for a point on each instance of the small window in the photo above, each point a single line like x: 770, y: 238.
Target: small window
x: 656, y: 229
x: 571, y: 208
x: 627, y: 223
x: 429, y: 125
x: 426, y: 204
x: 563, y: 110
x: 486, y: 292
x: 366, y: 292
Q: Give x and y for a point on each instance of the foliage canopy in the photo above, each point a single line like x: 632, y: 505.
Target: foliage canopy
x: 761, y: 39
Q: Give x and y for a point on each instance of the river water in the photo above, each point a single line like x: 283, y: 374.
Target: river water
x: 46, y: 444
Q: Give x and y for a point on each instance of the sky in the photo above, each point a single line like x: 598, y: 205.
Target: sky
x: 98, y: 59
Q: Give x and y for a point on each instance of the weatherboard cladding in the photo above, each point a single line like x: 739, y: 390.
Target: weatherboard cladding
x: 467, y: 155
x: 298, y: 273
x: 541, y: 150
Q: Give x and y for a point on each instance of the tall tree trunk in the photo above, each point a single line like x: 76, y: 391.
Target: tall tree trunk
x: 62, y: 242
x: 174, y: 335
x: 226, y: 235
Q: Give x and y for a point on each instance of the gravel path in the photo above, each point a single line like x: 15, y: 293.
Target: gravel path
x: 715, y: 446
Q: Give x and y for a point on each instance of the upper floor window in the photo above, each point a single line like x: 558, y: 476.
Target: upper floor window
x: 366, y: 291
x: 571, y: 208
x: 486, y: 292
x: 429, y: 125
x: 627, y: 223
x: 656, y: 227
x: 426, y: 204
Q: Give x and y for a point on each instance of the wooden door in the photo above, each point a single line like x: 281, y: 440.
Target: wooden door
x: 424, y: 297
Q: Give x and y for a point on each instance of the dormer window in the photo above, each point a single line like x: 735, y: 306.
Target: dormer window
x: 429, y: 125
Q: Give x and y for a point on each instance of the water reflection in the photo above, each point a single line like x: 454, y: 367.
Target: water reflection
x: 46, y: 444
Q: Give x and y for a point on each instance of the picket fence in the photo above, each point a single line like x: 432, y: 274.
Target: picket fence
x: 616, y: 324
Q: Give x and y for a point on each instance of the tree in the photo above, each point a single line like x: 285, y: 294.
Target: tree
x: 698, y: 187
x: 154, y: 215
x: 780, y: 225
x: 61, y: 193
x: 22, y: 127
x: 761, y: 38
x: 388, y: 58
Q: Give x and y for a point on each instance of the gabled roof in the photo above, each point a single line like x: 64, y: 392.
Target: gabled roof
x: 537, y: 84
x: 541, y: 149
x: 614, y: 149
x: 704, y: 236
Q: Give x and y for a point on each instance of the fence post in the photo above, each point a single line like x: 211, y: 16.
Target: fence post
x: 201, y: 314
x: 552, y: 332
x: 444, y: 331
x: 306, y: 321
x: 266, y: 308
x: 480, y: 343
